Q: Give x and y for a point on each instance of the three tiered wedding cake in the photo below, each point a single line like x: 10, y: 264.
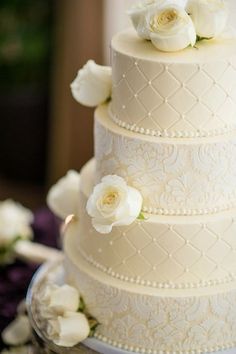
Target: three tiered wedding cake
x: 153, y: 250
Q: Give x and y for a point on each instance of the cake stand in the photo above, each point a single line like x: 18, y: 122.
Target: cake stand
x: 54, y: 272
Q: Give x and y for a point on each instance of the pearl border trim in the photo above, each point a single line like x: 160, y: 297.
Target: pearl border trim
x: 189, y: 212
x: 150, y: 351
x: 171, y: 133
x: 152, y: 284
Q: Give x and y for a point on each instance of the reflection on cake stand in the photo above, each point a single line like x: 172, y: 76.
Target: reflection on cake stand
x: 54, y: 272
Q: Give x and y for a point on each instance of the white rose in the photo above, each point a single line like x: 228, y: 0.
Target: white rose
x: 210, y: 17
x: 18, y: 332
x: 113, y: 203
x: 15, y: 222
x: 92, y: 85
x: 140, y: 12
x: 62, y: 198
x: 69, y: 330
x: 171, y: 29
x: 58, y: 300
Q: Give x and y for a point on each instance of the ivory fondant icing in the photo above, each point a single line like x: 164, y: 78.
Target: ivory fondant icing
x: 170, y: 252
x: 184, y: 94
x: 166, y: 284
x: 141, y: 319
x: 174, y: 176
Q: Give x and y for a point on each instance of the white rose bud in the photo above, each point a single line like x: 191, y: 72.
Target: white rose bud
x: 62, y: 198
x: 210, y: 17
x: 15, y: 222
x: 113, y: 203
x: 59, y: 299
x: 92, y: 85
x: 171, y: 29
x: 69, y: 330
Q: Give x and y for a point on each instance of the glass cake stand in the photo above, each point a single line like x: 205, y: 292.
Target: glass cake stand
x: 54, y: 271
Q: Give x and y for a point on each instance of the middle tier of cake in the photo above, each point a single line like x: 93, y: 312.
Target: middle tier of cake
x: 162, y: 251
x: 175, y: 176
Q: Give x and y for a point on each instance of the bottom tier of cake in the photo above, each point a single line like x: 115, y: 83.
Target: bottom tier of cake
x: 141, y: 319
x: 54, y: 272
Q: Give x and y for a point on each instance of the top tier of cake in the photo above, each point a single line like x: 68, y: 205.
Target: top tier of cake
x: 190, y: 93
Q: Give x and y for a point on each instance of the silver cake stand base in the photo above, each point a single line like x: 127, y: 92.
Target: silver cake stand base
x: 54, y: 272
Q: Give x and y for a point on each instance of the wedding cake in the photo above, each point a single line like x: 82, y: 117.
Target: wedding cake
x: 152, y: 248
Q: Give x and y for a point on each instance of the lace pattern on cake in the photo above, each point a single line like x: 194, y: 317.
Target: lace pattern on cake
x: 174, y: 179
x: 174, y: 100
x: 188, y: 324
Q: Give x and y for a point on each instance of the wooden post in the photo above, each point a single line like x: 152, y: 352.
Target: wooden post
x: 78, y: 37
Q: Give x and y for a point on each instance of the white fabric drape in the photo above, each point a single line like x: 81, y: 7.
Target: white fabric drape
x: 115, y: 19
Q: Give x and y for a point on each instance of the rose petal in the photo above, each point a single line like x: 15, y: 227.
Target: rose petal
x: 65, y: 298
x: 210, y: 17
x: 101, y: 227
x: 18, y: 332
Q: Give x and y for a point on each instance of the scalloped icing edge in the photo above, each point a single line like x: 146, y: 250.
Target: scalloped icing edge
x: 158, y: 285
x: 170, y: 133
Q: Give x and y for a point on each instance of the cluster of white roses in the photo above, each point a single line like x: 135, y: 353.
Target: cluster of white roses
x: 173, y: 25
x: 59, y: 308
x: 15, y: 221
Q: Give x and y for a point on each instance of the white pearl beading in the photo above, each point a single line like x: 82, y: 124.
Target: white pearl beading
x: 150, y: 351
x: 171, y: 133
x: 158, y: 285
x: 183, y: 212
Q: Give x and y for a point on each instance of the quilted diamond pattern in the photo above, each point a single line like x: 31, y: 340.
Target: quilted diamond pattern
x: 149, y: 98
x: 174, y: 99
x: 162, y: 252
x: 166, y: 84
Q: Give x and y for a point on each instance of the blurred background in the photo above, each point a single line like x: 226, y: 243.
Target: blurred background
x: 43, y: 131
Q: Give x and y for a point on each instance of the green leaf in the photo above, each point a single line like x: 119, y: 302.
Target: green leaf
x: 199, y: 39
x: 82, y: 307
x: 142, y: 217
x: 7, y: 251
x: 93, y: 325
x: 108, y: 100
